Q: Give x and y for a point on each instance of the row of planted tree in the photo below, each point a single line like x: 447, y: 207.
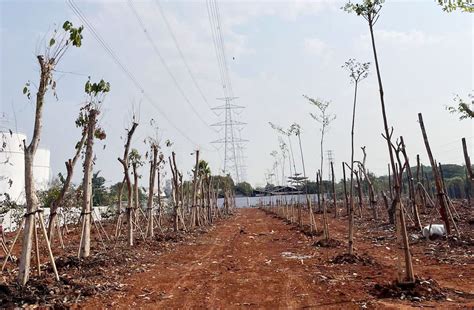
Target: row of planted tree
x: 399, y: 207
x: 192, y: 203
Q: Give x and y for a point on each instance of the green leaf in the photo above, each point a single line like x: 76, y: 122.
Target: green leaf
x: 52, y: 41
x: 25, y: 90
x: 67, y: 25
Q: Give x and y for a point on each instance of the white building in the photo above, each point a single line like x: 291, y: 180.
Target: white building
x: 12, y: 164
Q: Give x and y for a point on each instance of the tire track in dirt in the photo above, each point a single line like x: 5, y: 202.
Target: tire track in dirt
x: 237, y: 264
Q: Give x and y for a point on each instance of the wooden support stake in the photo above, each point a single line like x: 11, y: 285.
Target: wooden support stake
x: 35, y: 237
x: 20, y: 228
x: 48, y: 246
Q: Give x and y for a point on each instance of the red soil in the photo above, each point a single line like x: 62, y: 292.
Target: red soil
x: 248, y: 261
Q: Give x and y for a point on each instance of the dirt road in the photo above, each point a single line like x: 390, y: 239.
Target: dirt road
x: 253, y: 260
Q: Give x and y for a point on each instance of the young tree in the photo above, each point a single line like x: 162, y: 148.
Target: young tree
x: 204, y: 174
x: 136, y: 162
x: 125, y: 161
x: 370, y: 11
x: 357, y: 73
x: 324, y: 118
x: 56, y: 48
x: 296, y: 129
x: 288, y: 134
x: 284, y: 152
x: 70, y: 164
x: 155, y: 157
x: 95, y: 96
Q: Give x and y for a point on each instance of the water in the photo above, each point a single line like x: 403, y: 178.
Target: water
x: 243, y: 202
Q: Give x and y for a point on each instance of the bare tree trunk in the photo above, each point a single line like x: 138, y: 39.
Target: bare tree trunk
x: 136, y: 201
x: 87, y: 186
x: 151, y: 188
x: 319, y: 191
x: 158, y: 177
x: 421, y: 194
x: 372, y: 200
x: 195, y: 212
x: 174, y: 171
x: 359, y: 190
x: 120, y: 193
x: 468, y: 188
x: 32, y: 202
x: 334, y: 190
x: 125, y: 163
x: 438, y: 182
x: 390, y: 188
x: 351, y: 184
x: 325, y: 218
x: 410, y: 277
x: 467, y: 159
x: 346, y: 198
x: 411, y: 187
x: 58, y: 201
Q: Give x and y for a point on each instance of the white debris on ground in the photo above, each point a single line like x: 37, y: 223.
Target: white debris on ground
x: 434, y: 230
x: 290, y: 255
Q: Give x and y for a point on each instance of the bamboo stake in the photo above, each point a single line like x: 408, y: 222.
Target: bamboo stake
x: 35, y: 237
x: 48, y: 246
x: 20, y: 228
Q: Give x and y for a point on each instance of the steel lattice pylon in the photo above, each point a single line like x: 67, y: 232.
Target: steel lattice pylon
x: 233, y: 159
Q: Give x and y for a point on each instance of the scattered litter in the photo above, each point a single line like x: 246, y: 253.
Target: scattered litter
x: 294, y: 255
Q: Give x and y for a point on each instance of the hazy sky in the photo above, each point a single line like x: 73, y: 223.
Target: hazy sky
x: 277, y: 51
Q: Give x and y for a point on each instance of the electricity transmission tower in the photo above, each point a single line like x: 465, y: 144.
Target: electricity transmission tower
x: 233, y: 159
x: 330, y: 159
x: 232, y: 140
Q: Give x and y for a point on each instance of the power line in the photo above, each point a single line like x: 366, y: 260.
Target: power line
x: 233, y: 150
x: 178, y: 47
x: 165, y: 65
x: 124, y: 69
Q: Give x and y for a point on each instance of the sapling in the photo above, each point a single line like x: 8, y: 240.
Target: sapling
x: 125, y: 161
x: 357, y: 73
x: 95, y: 96
x: 370, y: 11
x: 55, y: 49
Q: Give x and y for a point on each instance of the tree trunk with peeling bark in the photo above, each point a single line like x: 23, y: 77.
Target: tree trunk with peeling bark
x: 32, y: 202
x: 87, y: 186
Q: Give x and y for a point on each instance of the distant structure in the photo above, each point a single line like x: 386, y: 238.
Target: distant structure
x: 233, y: 154
x: 232, y: 140
x: 330, y: 159
x: 12, y: 165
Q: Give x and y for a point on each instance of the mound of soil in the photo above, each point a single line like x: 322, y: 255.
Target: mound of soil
x: 419, y: 291
x: 346, y: 258
x: 170, y: 236
x: 45, y: 291
x: 327, y: 243
x: 307, y: 231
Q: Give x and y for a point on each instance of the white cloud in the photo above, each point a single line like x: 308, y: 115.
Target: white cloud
x: 244, y: 10
x: 405, y: 39
x: 317, y: 47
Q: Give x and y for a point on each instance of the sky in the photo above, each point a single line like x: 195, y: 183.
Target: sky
x: 276, y: 52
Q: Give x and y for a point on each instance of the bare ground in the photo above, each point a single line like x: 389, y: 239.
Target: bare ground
x: 257, y: 260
